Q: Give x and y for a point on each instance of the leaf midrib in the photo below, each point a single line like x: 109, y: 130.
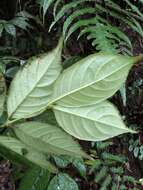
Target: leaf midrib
x: 88, y: 118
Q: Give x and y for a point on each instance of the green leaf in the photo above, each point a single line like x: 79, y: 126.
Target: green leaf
x: 62, y: 182
x: 32, y: 86
x: 62, y: 161
x: 93, y: 123
x: 10, y: 28
x: 2, y: 93
x: 92, y: 79
x: 80, y: 166
x: 134, y: 8
x: 46, y: 4
x: 48, y: 139
x: 35, y: 179
x: 19, y: 151
x: 1, y: 29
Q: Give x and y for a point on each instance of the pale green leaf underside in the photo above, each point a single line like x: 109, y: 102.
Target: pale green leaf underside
x: 32, y: 155
x: 31, y: 89
x: 2, y: 94
x: 92, y: 80
x: 93, y: 123
x: 48, y: 139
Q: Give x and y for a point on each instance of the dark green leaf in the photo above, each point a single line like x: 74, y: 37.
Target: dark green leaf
x: 35, y: 179
x: 62, y: 182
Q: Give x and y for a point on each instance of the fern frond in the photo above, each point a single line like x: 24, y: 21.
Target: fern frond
x: 80, y: 24
x: 65, y: 9
x: 45, y: 4
x: 134, y: 8
x: 56, y: 4
x: 73, y: 16
x: 126, y: 18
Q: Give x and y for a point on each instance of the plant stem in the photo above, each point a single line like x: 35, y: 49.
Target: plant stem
x: 8, y: 123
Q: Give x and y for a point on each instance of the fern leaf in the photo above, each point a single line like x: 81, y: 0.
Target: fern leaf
x: 134, y: 8
x: 79, y: 24
x: 76, y: 14
x: 65, y: 9
x: 56, y: 4
x: 46, y: 4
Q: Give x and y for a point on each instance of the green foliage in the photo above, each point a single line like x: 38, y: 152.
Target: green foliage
x: 105, y: 36
x: 136, y: 148
x: 62, y: 181
x: 79, y: 105
x: 47, y: 139
x: 16, y: 151
x: 36, y: 92
x: 109, y: 169
x: 78, y: 163
x: 35, y: 179
x: 20, y: 21
x: 48, y: 103
x: 2, y: 93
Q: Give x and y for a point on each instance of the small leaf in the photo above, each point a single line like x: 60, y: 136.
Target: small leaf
x: 10, y: 28
x: 1, y: 29
x: 80, y: 166
x: 48, y: 139
x: 136, y: 151
x: 62, y: 182
x: 93, y: 123
x: 35, y: 179
x: 32, y: 86
x: 62, y: 161
x: 46, y: 4
x: 2, y: 93
x: 16, y: 150
x: 92, y: 79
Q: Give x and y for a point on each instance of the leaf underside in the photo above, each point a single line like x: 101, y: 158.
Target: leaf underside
x: 32, y: 86
x: 92, y: 123
x: 48, y: 139
x: 91, y: 80
x: 21, y: 151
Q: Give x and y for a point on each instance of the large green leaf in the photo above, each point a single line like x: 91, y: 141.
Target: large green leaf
x: 18, y: 151
x: 62, y: 182
x: 2, y: 94
x: 32, y: 86
x: 93, y: 123
x: 48, y: 139
x: 92, y: 79
x: 35, y: 179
